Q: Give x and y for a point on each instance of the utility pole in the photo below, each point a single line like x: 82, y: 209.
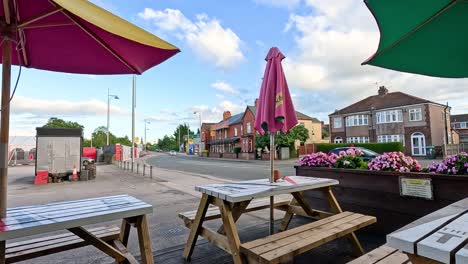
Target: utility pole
x: 179, y: 137
x: 200, y: 143
x: 188, y: 137
x: 146, y: 122
x: 109, y: 96
x: 133, y: 117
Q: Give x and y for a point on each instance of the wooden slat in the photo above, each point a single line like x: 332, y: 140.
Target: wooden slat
x: 36, y: 217
x: 375, y: 255
x: 122, y: 248
x: 462, y: 255
x: 30, y: 250
x: 406, y: 237
x: 291, y: 239
x: 71, y: 206
x: 395, y: 258
x: 248, y: 190
x: 316, y: 239
x: 316, y: 214
x: 214, y: 213
x: 61, y: 223
x: 443, y: 244
x: 269, y: 239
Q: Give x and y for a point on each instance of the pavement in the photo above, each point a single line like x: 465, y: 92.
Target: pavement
x: 170, y: 191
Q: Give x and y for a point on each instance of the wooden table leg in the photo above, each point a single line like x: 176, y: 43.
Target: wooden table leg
x: 2, y: 252
x: 196, y: 226
x: 336, y: 208
x: 144, y: 240
x: 237, y: 210
x: 125, y: 231
x: 98, y: 243
x: 287, y: 216
x: 122, y: 248
x: 231, y: 232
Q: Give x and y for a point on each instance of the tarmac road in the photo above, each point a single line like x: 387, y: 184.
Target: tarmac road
x: 234, y: 170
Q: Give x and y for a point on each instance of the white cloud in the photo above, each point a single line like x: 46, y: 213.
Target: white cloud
x: 205, y: 35
x: 279, y: 3
x: 57, y: 108
x: 224, y: 87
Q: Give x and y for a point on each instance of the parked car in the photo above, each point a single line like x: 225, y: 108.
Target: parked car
x: 172, y: 153
x: 367, y: 154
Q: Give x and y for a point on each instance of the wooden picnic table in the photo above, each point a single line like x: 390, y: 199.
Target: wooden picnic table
x: 234, y: 199
x: 72, y: 216
x: 441, y: 236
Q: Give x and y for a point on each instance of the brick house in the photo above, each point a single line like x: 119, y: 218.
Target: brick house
x: 392, y: 117
x: 460, y: 125
x: 238, y: 131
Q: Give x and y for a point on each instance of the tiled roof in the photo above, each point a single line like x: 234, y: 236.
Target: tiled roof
x: 299, y: 115
x: 235, y: 119
x: 376, y: 102
x: 459, y: 118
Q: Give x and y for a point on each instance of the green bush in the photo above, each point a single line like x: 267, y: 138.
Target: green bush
x: 237, y: 150
x: 377, y: 147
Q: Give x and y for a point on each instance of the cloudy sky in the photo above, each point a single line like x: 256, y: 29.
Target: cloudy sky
x: 223, y: 45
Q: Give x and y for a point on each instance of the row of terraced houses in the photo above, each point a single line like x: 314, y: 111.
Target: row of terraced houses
x: 384, y: 117
x: 238, y: 131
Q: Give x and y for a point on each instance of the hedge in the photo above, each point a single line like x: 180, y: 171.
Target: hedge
x: 377, y: 147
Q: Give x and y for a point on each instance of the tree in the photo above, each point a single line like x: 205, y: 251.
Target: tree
x: 55, y: 122
x: 168, y: 143
x: 99, y: 137
x: 283, y: 140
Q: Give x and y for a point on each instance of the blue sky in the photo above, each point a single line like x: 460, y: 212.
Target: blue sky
x: 223, y: 47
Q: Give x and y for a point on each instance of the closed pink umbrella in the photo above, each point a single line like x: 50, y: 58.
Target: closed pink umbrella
x: 275, y: 111
x: 73, y: 36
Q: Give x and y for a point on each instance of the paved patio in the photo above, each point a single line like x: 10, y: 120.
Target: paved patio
x: 169, y: 192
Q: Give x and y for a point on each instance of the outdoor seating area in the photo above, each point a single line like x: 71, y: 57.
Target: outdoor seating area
x: 248, y: 203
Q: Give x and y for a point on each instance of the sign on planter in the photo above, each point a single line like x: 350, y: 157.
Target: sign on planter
x: 416, y: 187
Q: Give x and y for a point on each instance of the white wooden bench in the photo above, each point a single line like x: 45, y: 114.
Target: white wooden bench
x: 255, y: 205
x: 441, y: 236
x: 43, y: 246
x: 284, y: 246
x: 27, y: 221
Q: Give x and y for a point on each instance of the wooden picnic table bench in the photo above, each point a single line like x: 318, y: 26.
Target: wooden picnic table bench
x: 234, y: 199
x: 72, y: 216
x: 441, y: 236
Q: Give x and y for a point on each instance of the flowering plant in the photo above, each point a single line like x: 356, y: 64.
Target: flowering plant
x: 394, y: 161
x: 318, y: 159
x: 456, y: 164
x: 350, y: 160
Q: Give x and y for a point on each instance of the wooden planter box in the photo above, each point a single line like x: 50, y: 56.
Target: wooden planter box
x: 216, y: 155
x: 377, y: 193
x: 205, y: 154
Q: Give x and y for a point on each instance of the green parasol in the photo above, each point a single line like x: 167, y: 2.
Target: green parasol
x: 421, y: 36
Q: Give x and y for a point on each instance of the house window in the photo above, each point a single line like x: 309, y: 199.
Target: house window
x: 235, y: 131
x: 357, y: 139
x: 249, y: 129
x: 391, y: 138
x: 415, y: 114
x: 301, y: 124
x: 357, y: 120
x: 392, y: 116
x: 337, y: 122
x: 225, y: 133
x: 242, y: 129
x: 338, y: 140
x: 463, y: 125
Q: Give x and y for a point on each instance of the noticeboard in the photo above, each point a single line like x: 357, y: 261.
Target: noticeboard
x: 416, y: 187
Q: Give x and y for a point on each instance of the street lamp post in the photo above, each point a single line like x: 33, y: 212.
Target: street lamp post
x: 188, y: 138
x: 200, y: 144
x: 146, y: 122
x: 109, y: 97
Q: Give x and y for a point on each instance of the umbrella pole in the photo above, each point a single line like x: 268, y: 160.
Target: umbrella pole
x: 272, y: 179
x: 4, y: 134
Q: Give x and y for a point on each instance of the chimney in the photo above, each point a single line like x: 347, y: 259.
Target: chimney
x: 383, y: 90
x: 226, y: 115
x: 256, y: 102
